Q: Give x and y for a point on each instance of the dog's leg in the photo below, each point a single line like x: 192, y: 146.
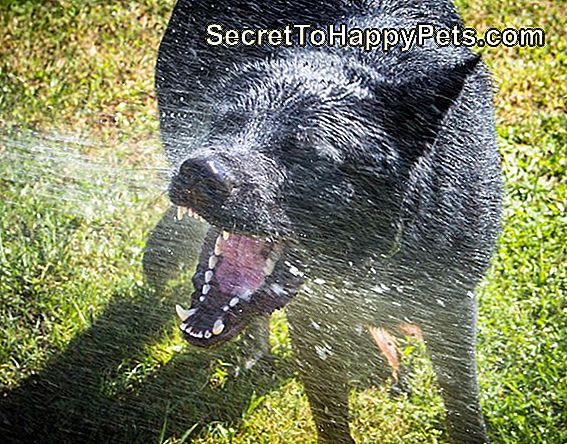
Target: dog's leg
x: 388, y: 347
x: 255, y: 344
x: 324, y: 373
x: 451, y: 339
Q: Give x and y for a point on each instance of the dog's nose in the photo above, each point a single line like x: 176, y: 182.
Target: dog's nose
x: 200, y: 183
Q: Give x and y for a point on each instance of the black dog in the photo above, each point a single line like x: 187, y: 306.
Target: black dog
x: 368, y: 180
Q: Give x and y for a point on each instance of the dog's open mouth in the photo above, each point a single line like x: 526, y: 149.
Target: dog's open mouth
x: 237, y: 277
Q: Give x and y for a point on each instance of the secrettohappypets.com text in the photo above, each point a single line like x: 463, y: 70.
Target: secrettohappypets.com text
x: 372, y: 38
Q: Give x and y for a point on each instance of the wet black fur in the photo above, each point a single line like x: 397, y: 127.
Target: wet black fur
x: 381, y: 166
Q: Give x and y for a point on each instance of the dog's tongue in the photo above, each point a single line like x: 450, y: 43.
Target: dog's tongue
x: 230, y: 286
x: 241, y: 270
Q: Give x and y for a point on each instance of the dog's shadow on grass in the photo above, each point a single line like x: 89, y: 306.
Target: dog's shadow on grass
x: 97, y: 390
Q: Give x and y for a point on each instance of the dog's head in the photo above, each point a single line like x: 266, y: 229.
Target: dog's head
x: 300, y: 154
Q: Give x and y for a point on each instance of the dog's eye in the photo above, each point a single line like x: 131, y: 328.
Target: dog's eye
x: 293, y: 150
x: 230, y: 122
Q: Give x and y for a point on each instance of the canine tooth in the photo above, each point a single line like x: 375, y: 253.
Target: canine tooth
x: 180, y: 211
x: 208, y: 276
x: 225, y: 235
x: 213, y: 261
x: 184, y: 314
x: 218, y: 327
x: 235, y: 300
x: 208, y: 334
x: 225, y: 308
x: 218, y: 248
x: 206, y: 288
x: 269, y: 266
x: 246, y: 295
x: 201, y: 298
x: 278, y: 289
x: 295, y: 271
x: 183, y: 326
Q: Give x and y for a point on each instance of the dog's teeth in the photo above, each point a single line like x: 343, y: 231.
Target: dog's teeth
x: 278, y: 289
x: 235, y: 300
x: 190, y: 212
x: 198, y: 334
x: 180, y: 211
x: 208, y: 334
x: 218, y: 248
x: 189, y: 330
x: 213, y: 261
x: 183, y: 326
x: 201, y: 298
x: 269, y: 266
x: 184, y: 314
x: 246, y: 295
x: 208, y: 276
x: 295, y: 271
x: 225, y: 308
x: 206, y: 288
x: 225, y: 235
x: 218, y: 327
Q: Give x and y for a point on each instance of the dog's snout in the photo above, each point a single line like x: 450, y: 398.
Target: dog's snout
x: 200, y: 183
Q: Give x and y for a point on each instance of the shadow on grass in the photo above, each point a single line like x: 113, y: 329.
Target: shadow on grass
x: 80, y: 397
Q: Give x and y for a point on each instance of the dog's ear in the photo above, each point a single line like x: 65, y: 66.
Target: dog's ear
x: 413, y: 109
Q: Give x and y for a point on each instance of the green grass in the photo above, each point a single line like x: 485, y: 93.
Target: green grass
x: 86, y: 347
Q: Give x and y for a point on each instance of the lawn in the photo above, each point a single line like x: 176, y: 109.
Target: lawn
x: 88, y: 351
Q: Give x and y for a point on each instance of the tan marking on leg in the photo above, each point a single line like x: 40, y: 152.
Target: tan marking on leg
x: 387, y: 345
x: 412, y: 330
